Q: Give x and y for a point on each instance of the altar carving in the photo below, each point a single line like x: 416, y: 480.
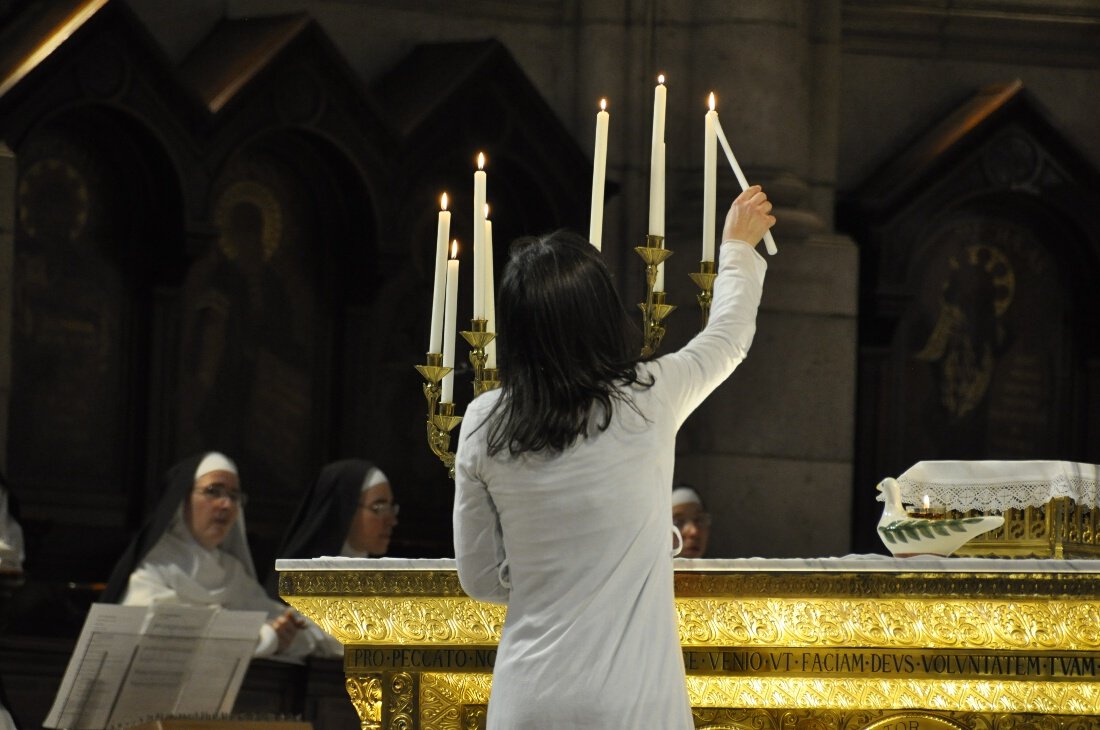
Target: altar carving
x: 844, y: 643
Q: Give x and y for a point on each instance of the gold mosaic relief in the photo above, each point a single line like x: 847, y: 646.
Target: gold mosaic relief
x: 1080, y: 698
x: 452, y: 701
x: 365, y: 693
x: 367, y: 583
x: 402, y: 702
x: 898, y: 623
x: 452, y: 621
x: 838, y: 584
x: 729, y: 719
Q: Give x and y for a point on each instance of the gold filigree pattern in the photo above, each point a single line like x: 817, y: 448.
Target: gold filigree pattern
x: 365, y: 692
x: 451, y: 621
x: 1081, y: 698
x: 474, y: 717
x: 729, y: 719
x: 444, y: 697
x: 402, y: 701
x: 939, y: 624
x: 837, y: 584
x: 352, y: 583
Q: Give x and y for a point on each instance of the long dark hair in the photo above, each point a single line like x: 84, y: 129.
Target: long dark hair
x: 565, y: 346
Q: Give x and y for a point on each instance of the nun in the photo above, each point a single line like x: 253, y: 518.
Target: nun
x: 193, y: 551
x: 691, y: 520
x: 348, y: 512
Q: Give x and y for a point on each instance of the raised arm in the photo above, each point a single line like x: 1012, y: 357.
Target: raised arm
x: 689, y: 375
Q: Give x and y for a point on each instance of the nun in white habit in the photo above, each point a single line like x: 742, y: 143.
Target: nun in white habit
x: 194, y: 552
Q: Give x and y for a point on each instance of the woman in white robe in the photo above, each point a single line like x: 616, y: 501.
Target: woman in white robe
x: 194, y: 552
x: 563, y: 484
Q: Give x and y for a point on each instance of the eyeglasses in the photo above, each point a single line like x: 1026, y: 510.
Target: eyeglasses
x: 214, y: 492
x: 381, y: 509
x: 701, y: 521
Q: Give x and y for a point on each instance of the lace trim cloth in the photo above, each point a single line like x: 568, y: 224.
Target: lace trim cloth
x: 994, y: 486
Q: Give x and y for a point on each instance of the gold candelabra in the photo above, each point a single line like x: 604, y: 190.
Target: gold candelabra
x: 654, y: 309
x: 441, y: 416
x: 704, y: 279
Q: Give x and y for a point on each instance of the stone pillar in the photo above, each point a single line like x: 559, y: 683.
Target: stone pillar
x: 772, y: 449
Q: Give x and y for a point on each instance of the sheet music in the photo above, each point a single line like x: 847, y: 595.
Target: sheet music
x: 132, y: 662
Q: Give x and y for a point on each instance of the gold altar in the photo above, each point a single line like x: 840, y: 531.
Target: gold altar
x: 830, y: 644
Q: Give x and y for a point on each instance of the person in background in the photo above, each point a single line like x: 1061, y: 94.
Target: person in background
x: 11, y: 534
x: 348, y: 512
x: 11, y: 561
x: 690, y: 517
x: 194, y: 551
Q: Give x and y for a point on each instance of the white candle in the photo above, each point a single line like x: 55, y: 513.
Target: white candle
x: 479, y: 238
x: 599, y: 173
x: 656, y: 160
x: 659, y: 284
x: 450, y: 325
x: 710, y: 180
x: 769, y: 242
x: 490, y: 294
x: 442, y: 233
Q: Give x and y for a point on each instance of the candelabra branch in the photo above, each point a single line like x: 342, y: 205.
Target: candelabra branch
x: 704, y: 279
x: 654, y: 309
x: 441, y: 419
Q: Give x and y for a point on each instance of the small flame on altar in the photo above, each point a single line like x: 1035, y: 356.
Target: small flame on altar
x: 927, y: 502
x: 485, y: 210
x: 454, y: 249
x: 443, y: 202
x: 711, y: 101
x: 481, y: 160
x: 660, y: 78
x: 603, y: 105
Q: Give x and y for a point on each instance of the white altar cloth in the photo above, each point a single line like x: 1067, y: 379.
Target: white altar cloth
x: 994, y: 486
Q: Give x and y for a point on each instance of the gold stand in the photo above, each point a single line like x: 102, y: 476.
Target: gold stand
x: 654, y: 309
x: 441, y: 418
x: 485, y: 379
x: 704, y: 279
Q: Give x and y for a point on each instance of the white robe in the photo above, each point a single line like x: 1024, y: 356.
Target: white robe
x: 180, y: 570
x: 579, y: 545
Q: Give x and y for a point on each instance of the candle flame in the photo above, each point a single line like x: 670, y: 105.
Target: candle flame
x: 443, y: 202
x: 927, y: 502
x: 485, y: 210
x: 481, y: 160
x: 660, y: 78
x: 603, y: 105
x: 454, y: 249
x: 711, y: 101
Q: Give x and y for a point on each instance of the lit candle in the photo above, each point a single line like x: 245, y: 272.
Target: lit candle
x: 659, y: 284
x: 490, y: 294
x: 599, y: 172
x: 656, y: 161
x: 479, y: 237
x: 769, y: 242
x: 710, y: 180
x: 450, y: 325
x: 927, y: 502
x: 442, y: 233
